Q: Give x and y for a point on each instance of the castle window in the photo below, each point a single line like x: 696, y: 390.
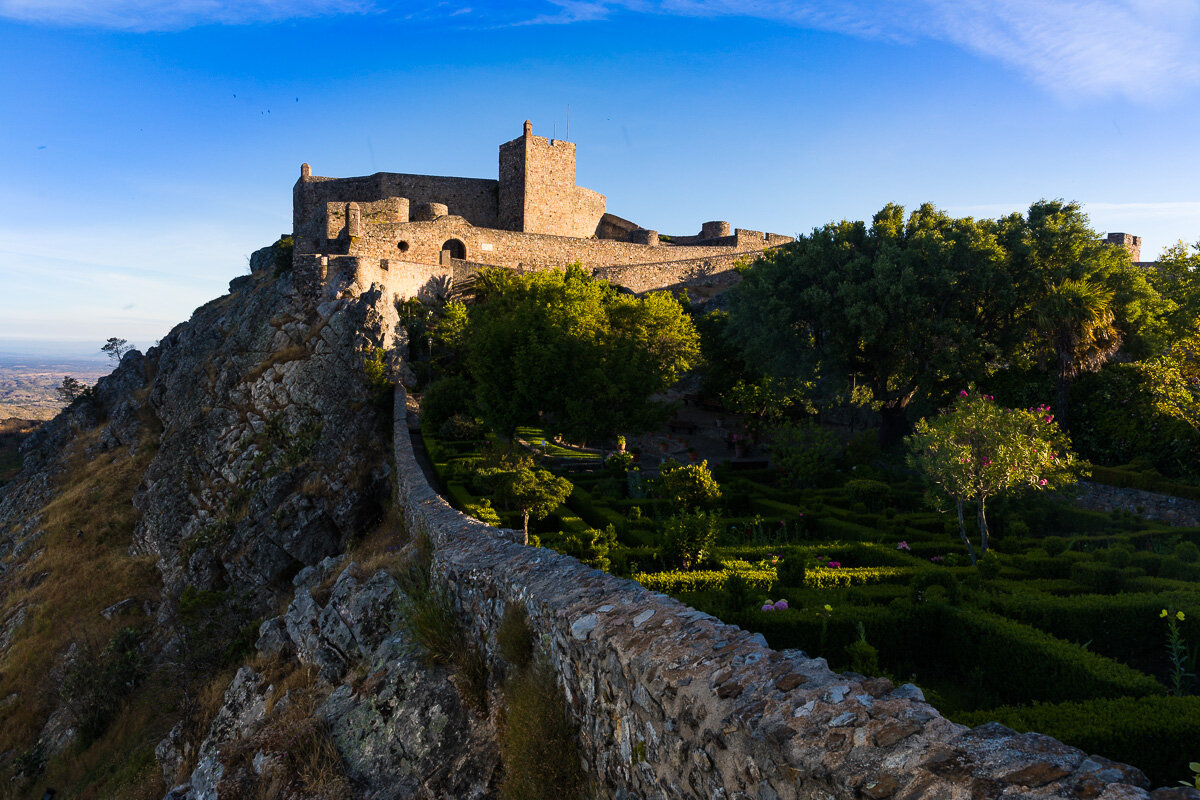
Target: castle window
x: 403, y: 246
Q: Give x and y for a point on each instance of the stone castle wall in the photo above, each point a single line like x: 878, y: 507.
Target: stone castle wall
x: 672, y: 703
x: 475, y: 199
x: 716, y: 271
x: 424, y: 242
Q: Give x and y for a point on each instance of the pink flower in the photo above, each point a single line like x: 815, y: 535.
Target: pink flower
x: 835, y: 564
x: 903, y: 546
x: 1042, y: 482
x: 963, y: 393
x: 780, y: 605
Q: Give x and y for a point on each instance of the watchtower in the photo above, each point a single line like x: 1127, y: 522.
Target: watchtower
x: 537, y: 191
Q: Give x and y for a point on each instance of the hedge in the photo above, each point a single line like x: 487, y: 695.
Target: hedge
x: 1159, y: 735
x: 837, y: 577
x: 701, y: 580
x: 1020, y: 663
x: 596, y: 514
x: 1124, y: 626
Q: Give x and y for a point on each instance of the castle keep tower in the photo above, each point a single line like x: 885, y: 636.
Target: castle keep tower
x: 1130, y: 242
x: 537, y: 191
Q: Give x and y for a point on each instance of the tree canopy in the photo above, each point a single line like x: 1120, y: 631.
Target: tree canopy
x: 574, y: 354
x: 978, y: 449
x: 911, y: 307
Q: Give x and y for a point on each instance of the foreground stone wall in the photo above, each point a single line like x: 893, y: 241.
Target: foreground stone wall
x: 672, y: 703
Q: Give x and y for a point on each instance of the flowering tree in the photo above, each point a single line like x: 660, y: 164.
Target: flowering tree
x: 978, y: 450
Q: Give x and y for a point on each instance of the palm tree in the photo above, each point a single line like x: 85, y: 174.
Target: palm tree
x: 1075, y: 319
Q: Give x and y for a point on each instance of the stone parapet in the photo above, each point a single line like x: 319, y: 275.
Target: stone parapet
x: 672, y: 703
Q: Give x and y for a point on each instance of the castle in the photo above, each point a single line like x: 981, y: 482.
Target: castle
x: 412, y: 232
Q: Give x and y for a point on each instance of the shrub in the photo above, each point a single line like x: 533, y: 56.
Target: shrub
x: 689, y: 537
x: 687, y: 485
x: 863, y: 657
x: 1187, y: 552
x: 537, y: 744
x: 678, y: 581
x: 872, y: 494
x: 833, y: 578
x: 791, y: 570
x: 96, y: 682
x: 924, y: 580
x: 592, y: 546
x: 514, y: 637
x: 806, y: 452
x: 379, y: 381
x: 483, y: 512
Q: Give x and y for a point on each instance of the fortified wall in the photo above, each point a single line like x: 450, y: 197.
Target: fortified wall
x: 418, y: 229
x: 672, y: 703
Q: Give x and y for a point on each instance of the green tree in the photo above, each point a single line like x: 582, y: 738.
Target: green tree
x: 1082, y: 298
x: 689, y: 537
x: 71, y: 389
x: 116, y: 348
x: 978, y: 450
x: 574, y: 355
x: 1176, y: 276
x: 1076, y: 320
x: 687, y: 485
x: 535, y: 492
x: 902, y: 307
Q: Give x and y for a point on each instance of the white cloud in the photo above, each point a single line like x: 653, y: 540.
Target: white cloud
x: 1074, y: 48
x: 165, y: 15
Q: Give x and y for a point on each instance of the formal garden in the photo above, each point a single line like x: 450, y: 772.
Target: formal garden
x: 866, y: 502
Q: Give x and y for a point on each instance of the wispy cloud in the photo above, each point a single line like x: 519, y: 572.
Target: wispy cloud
x: 167, y: 15
x: 1074, y: 48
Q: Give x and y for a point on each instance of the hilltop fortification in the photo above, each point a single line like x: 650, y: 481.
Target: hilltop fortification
x: 412, y: 232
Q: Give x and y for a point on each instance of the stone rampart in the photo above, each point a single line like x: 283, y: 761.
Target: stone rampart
x: 672, y: 703
x: 1150, y: 505
x: 715, y: 271
x: 424, y: 241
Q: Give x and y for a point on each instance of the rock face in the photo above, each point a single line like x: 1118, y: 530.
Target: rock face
x: 400, y: 728
x: 271, y: 450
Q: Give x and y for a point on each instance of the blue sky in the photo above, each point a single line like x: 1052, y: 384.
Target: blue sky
x: 146, y: 148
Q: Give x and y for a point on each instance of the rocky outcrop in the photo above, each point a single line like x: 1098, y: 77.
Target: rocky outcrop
x: 398, y: 725
x: 271, y: 451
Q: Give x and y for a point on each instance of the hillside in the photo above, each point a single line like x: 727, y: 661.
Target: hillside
x: 222, y: 576
x: 153, y: 527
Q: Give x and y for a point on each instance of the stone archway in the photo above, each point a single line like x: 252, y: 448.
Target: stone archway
x: 453, y: 248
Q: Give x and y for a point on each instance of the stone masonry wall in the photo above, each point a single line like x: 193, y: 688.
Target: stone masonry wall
x: 707, y: 271
x: 672, y: 703
x: 538, y: 192
x: 1150, y: 505
x: 424, y: 242
x: 472, y: 198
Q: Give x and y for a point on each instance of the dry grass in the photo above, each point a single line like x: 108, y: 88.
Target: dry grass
x: 80, y: 566
x: 382, y: 547
x: 302, y: 759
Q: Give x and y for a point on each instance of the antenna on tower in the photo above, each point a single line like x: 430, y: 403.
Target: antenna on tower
x: 568, y: 122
